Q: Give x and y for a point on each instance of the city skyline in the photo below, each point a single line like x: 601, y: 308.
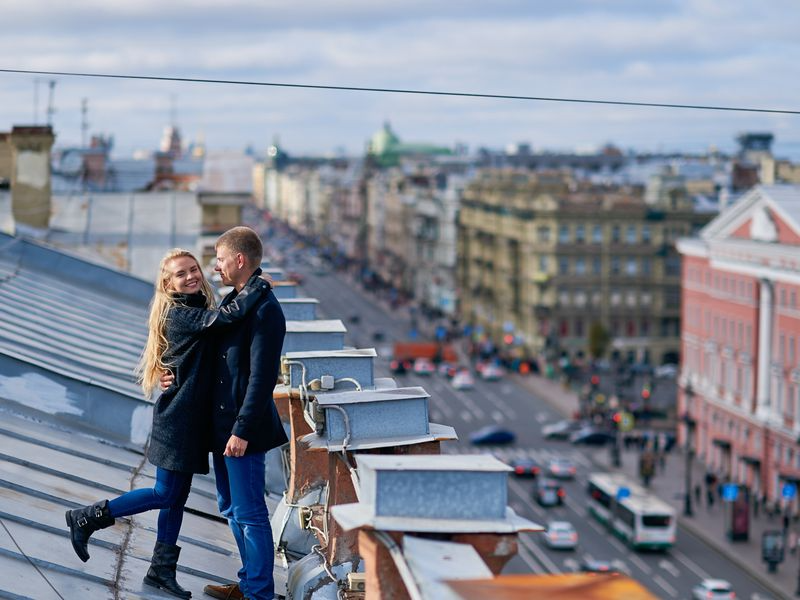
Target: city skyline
x: 669, y: 52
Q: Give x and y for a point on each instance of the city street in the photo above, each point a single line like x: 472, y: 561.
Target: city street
x: 668, y: 575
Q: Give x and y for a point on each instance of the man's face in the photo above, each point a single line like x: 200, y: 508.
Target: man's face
x: 229, y: 265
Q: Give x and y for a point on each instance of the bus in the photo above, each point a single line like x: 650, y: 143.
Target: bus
x: 637, y: 517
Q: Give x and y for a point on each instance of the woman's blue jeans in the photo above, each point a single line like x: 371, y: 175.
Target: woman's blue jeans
x: 240, y: 495
x: 169, y: 495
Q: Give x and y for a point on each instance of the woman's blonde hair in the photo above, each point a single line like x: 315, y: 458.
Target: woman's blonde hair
x: 152, y: 366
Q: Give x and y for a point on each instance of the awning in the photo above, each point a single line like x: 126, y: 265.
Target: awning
x: 722, y: 443
x: 751, y: 460
x: 790, y: 478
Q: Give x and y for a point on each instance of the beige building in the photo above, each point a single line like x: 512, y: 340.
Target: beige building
x: 542, y: 259
x: 25, y: 171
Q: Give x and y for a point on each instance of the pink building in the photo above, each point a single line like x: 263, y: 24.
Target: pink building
x: 740, y: 341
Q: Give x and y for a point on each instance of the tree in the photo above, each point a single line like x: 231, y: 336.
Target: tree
x: 598, y: 339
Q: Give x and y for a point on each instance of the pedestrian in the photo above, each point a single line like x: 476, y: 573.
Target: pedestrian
x: 697, y: 494
x: 181, y: 317
x: 245, y: 420
x: 709, y: 497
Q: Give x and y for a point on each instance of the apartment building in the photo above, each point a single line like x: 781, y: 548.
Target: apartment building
x: 544, y: 259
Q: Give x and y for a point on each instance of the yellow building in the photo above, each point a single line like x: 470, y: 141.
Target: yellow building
x: 544, y: 259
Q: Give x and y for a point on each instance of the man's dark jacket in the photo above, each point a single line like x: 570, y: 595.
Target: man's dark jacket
x: 247, y: 364
x: 181, y: 434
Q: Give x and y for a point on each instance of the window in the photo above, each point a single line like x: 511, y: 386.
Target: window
x: 543, y: 234
x: 543, y: 263
x: 615, y: 265
x: 563, y: 265
x: 672, y: 265
x: 631, y: 267
x: 616, y: 298
x: 645, y: 234
x: 615, y: 234
x: 630, y: 234
x: 656, y: 520
x: 597, y: 265
x: 579, y: 327
x: 630, y: 298
x: 597, y: 234
x: 563, y: 234
x: 580, y: 234
x: 646, y: 298
x: 647, y: 266
x: 644, y: 327
x: 580, y: 266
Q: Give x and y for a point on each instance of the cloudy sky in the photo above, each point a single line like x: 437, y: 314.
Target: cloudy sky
x: 744, y: 53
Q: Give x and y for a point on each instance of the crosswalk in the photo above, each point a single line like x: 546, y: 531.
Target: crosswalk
x: 509, y: 453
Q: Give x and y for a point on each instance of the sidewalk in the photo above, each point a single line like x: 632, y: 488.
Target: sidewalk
x: 668, y: 484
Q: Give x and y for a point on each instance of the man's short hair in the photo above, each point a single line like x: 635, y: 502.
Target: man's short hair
x: 243, y: 240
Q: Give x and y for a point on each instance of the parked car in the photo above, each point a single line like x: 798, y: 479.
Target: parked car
x: 561, y: 468
x: 447, y: 369
x: 400, y: 367
x: 463, y: 380
x: 492, y: 435
x: 548, y: 492
x: 591, y: 565
x: 492, y: 372
x: 424, y: 366
x: 590, y: 436
x: 713, y: 589
x: 560, y: 430
x: 561, y: 535
x: 525, y: 467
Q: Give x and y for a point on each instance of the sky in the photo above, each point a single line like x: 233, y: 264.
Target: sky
x: 708, y: 52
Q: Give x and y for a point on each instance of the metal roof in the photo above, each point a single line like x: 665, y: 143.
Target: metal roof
x: 434, y: 462
x: 317, y: 326
x: 372, y: 396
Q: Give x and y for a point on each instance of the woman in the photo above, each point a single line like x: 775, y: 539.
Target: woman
x: 181, y: 312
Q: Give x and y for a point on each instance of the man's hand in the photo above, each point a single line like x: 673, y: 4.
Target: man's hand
x: 166, y: 380
x: 235, y: 447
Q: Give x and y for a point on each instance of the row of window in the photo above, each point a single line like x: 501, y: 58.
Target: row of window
x: 578, y: 234
x: 725, y: 331
x: 739, y: 287
x: 630, y: 298
x: 578, y: 327
x: 619, y: 265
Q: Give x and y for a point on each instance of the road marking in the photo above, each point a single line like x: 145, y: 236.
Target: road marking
x: 665, y: 586
x: 579, y: 458
x: 541, y: 417
x: 570, y: 564
x: 643, y: 566
x: 466, y: 416
x: 539, y: 553
x: 525, y: 496
x: 506, y: 389
x: 617, y: 544
x: 689, y: 564
x: 669, y: 568
x: 502, y: 406
x: 498, y: 416
x: 529, y: 560
x: 620, y: 566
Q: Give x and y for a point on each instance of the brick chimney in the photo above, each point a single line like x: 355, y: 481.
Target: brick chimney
x: 30, y: 174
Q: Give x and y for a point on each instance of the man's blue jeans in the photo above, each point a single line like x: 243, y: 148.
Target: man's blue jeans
x: 169, y: 494
x: 240, y: 495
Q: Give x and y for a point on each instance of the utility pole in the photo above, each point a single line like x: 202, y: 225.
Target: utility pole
x: 84, y: 121
x: 51, y: 108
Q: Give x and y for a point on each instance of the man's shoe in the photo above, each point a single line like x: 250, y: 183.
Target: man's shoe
x: 230, y: 591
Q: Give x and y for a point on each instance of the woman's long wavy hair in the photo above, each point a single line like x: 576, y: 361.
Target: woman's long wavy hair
x: 152, y: 366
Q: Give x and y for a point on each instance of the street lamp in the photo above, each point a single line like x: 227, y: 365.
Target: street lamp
x: 689, y: 422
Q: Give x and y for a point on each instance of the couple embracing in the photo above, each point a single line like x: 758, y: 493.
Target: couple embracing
x: 217, y: 368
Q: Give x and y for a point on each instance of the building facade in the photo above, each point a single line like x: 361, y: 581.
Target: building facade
x: 544, y: 259
x: 740, y: 374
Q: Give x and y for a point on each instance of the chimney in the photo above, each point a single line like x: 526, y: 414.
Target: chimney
x: 30, y: 174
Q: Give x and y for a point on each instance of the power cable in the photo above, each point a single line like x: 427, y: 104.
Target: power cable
x: 30, y: 560
x: 349, y: 88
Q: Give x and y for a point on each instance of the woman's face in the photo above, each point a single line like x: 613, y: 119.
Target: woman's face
x: 184, y: 275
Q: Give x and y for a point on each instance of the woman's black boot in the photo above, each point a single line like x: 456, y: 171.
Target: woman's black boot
x: 83, y: 522
x: 163, y: 566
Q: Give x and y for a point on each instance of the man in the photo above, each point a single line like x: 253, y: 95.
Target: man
x: 245, y: 421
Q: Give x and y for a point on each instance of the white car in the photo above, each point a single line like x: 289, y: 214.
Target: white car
x: 713, y: 589
x: 463, y: 381
x: 561, y: 535
x: 491, y: 372
x: 423, y: 366
x: 561, y: 468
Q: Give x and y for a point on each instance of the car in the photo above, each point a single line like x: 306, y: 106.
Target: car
x: 463, y: 380
x: 667, y: 371
x: 591, y: 565
x: 447, y: 369
x: 561, y: 468
x: 378, y: 336
x: 548, y: 492
x: 400, y: 367
x: 525, y: 467
x: 560, y: 430
x: 424, y: 366
x: 590, y: 436
x: 561, y: 535
x: 492, y: 372
x: 492, y: 435
x: 713, y: 589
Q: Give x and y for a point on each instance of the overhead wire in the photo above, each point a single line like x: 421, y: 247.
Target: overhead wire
x: 384, y: 90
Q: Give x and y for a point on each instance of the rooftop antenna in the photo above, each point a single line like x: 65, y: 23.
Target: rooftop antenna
x: 51, y: 109
x: 84, y: 121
